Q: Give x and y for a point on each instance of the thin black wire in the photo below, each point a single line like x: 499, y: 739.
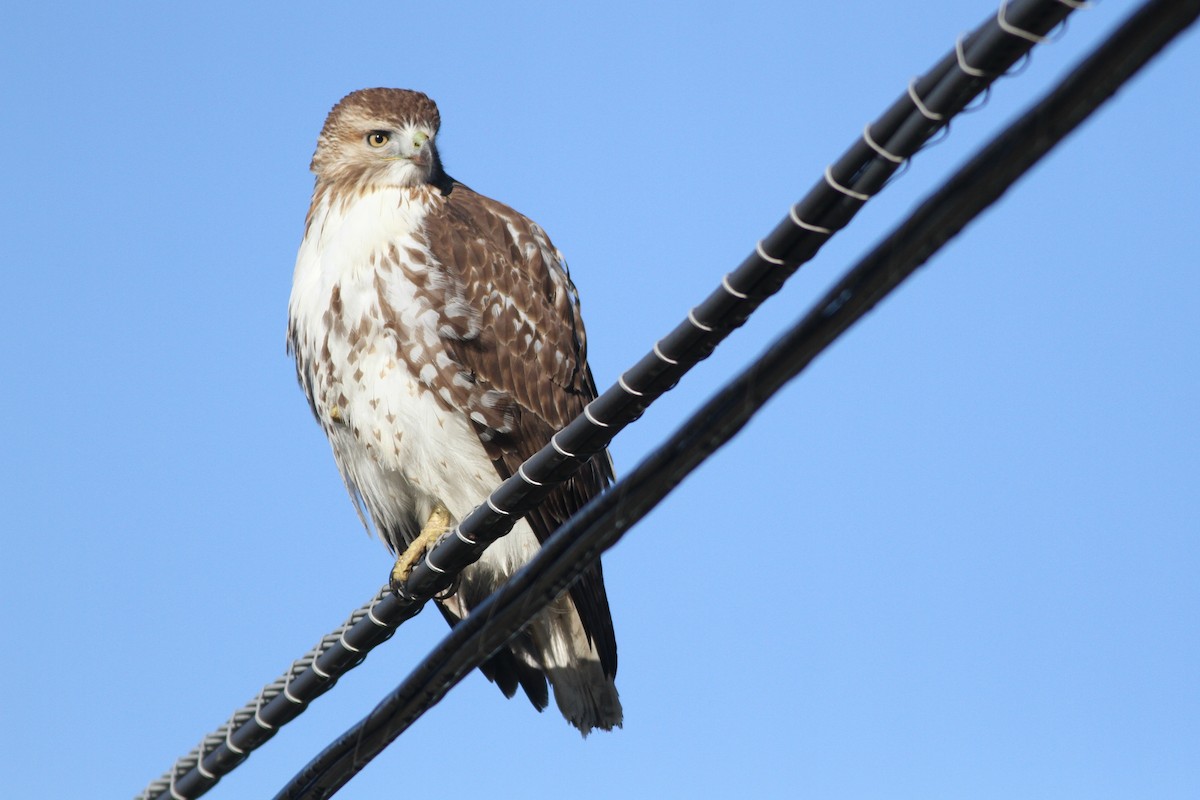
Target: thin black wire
x: 566, y: 554
x: 860, y: 172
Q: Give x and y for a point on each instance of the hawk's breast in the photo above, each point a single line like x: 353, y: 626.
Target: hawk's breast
x: 366, y: 302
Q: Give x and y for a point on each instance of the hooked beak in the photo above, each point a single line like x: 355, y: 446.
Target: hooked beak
x: 420, y: 152
x: 420, y: 156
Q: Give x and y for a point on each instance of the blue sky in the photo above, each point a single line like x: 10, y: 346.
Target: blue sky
x: 956, y: 558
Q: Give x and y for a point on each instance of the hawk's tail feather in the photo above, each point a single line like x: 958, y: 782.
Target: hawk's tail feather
x: 555, y: 648
x: 583, y: 690
x: 586, y: 697
x: 508, y: 671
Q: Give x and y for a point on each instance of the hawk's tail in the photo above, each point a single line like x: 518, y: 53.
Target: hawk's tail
x: 584, y: 693
x: 555, y: 647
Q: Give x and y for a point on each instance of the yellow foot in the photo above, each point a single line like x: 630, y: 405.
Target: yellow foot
x: 437, y: 524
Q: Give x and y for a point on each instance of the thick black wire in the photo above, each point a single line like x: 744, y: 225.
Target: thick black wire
x: 602, y: 522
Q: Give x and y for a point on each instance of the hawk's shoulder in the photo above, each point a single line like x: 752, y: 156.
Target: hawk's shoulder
x: 529, y: 353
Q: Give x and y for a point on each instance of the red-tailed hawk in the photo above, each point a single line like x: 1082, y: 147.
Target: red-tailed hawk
x: 437, y: 335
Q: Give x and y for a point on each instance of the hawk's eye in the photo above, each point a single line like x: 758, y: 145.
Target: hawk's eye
x: 378, y: 138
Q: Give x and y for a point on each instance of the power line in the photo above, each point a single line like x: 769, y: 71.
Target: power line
x: 925, y: 107
x: 599, y: 525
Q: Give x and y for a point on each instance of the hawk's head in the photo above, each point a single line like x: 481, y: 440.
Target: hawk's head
x: 379, y: 137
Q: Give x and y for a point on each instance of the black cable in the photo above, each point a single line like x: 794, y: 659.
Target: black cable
x: 602, y: 522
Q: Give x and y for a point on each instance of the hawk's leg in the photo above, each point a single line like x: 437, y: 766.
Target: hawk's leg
x: 437, y: 524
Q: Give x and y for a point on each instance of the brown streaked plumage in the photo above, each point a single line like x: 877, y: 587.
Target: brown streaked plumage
x: 437, y: 336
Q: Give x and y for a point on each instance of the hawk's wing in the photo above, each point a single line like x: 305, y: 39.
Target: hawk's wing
x: 521, y: 351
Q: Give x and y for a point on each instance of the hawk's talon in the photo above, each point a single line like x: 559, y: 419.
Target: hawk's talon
x: 449, y: 591
x: 435, y: 527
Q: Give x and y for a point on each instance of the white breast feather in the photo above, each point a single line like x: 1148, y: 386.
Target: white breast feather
x: 395, y: 445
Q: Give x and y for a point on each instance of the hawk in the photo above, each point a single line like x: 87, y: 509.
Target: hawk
x: 438, y: 337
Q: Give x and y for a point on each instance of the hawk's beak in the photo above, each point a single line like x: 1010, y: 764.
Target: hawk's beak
x: 421, y: 155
